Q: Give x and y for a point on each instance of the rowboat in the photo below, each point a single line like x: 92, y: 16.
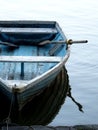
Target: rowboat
x: 32, y: 53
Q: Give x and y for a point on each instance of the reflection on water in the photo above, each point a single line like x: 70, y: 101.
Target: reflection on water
x: 69, y: 94
x: 44, y: 107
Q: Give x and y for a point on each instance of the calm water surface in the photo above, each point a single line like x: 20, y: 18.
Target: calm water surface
x: 79, y: 20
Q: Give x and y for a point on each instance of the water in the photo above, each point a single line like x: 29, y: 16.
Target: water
x: 79, y: 20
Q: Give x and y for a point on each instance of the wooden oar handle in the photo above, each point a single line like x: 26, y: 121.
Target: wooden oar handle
x: 9, y: 44
x: 70, y: 41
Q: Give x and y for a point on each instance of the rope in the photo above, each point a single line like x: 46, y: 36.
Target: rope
x: 8, y: 120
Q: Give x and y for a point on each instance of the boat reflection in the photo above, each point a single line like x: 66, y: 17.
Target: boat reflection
x: 69, y: 94
x: 44, y: 107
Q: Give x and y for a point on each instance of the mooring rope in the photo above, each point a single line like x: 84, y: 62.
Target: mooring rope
x: 8, y: 120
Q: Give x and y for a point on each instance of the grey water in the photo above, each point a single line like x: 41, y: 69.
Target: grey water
x: 79, y: 21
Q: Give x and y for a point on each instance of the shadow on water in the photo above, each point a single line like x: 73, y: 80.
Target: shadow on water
x: 44, y: 107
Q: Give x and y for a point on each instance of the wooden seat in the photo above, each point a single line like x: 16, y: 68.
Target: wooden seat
x: 27, y: 30
x: 32, y: 59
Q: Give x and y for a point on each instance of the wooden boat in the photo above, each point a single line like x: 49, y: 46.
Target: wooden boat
x: 32, y: 53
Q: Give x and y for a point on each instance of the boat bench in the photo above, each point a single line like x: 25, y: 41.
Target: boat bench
x: 30, y: 59
x: 27, y: 30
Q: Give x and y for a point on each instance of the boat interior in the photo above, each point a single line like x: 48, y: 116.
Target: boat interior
x: 21, y: 55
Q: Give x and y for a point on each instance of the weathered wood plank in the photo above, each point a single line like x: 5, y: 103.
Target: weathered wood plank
x: 33, y: 59
x: 40, y: 127
x: 27, y: 30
